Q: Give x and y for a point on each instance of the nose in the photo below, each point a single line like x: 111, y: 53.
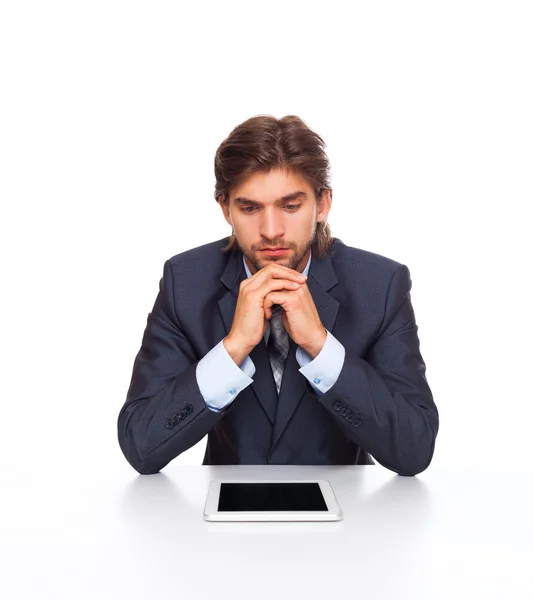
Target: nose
x: 271, y: 226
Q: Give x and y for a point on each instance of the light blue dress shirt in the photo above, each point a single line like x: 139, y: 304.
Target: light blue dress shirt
x: 221, y: 380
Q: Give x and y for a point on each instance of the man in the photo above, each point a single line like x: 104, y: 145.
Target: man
x: 281, y: 343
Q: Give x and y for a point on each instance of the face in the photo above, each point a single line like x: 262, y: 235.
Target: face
x: 275, y: 210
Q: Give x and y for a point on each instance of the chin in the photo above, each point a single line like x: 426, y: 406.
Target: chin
x: 265, y: 260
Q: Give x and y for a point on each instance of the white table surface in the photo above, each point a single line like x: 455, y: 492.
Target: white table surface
x: 105, y: 532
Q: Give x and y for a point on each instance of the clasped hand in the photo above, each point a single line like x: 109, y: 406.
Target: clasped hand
x: 276, y: 284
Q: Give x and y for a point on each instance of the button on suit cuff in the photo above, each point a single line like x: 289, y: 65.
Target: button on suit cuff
x: 220, y: 380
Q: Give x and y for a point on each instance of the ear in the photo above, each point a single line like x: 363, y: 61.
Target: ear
x: 225, y: 210
x: 324, y: 206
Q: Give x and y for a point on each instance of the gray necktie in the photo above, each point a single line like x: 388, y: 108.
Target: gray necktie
x: 278, y: 345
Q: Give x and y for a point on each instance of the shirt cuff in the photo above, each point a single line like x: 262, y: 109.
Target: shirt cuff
x: 220, y: 380
x: 323, y: 371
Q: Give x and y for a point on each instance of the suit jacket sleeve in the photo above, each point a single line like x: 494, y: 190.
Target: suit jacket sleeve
x: 383, y: 401
x: 165, y: 412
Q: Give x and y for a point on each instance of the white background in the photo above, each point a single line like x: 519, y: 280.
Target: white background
x: 111, y: 113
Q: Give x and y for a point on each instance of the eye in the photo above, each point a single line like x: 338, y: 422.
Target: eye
x: 251, y: 209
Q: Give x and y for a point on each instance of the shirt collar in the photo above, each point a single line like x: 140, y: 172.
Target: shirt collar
x: 305, y: 271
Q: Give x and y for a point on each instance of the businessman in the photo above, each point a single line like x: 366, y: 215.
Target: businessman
x: 281, y: 343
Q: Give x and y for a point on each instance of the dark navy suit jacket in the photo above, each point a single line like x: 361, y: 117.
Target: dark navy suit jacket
x: 381, y: 405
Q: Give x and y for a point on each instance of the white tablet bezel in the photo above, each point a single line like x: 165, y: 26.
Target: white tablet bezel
x: 211, y: 513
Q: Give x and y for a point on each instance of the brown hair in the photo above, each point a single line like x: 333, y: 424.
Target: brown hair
x: 263, y: 143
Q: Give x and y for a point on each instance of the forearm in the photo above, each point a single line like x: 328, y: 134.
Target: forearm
x: 396, y: 426
x: 162, y: 418
x: 238, y: 351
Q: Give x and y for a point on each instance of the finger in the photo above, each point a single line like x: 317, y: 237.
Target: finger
x: 284, y: 272
x: 272, y: 285
x: 273, y: 272
x: 276, y: 297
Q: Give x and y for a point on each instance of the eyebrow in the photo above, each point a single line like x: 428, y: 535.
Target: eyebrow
x: 293, y: 196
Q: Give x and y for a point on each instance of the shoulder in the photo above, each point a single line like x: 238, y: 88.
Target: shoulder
x: 349, y: 260
x: 206, y: 261
x: 369, y: 279
x: 205, y: 252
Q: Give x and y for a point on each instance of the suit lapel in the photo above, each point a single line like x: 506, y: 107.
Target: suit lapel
x: 321, y: 279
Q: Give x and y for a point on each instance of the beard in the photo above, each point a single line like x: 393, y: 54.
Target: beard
x: 291, y: 263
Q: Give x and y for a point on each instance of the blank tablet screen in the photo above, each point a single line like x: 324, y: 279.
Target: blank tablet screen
x: 270, y: 497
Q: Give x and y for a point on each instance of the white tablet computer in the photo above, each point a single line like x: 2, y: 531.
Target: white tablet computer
x: 258, y: 500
